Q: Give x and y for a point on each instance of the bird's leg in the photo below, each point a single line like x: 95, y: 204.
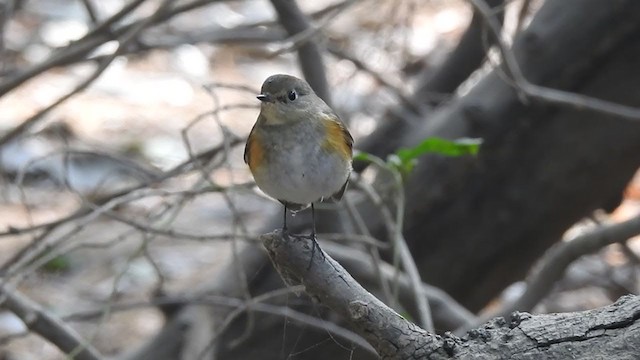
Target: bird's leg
x: 314, y: 241
x: 285, y: 231
x: 313, y: 222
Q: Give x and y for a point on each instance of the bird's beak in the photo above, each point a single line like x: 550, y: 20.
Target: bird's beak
x: 265, y: 98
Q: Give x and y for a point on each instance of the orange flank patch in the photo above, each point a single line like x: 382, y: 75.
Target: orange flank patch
x: 338, y: 138
x: 253, y: 153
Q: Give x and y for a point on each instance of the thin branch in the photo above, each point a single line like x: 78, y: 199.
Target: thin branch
x: 179, y: 169
x: 546, y: 94
x: 238, y: 225
x: 554, y: 264
x: 405, y: 100
x: 126, y: 39
x: 240, y: 306
x: 102, y: 33
x: 394, y: 229
x: 522, y: 14
x: 432, y: 88
x: 74, y: 52
x: 47, y: 325
x: 374, y: 254
x: 90, y: 8
x: 258, y: 304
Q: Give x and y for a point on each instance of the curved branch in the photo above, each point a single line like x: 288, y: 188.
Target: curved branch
x: 48, y: 326
x: 447, y: 312
x: 549, y: 95
x: 613, y: 330
x: 557, y: 260
x: 390, y: 334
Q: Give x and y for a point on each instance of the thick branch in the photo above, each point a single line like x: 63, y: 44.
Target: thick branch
x: 390, y: 334
x: 447, y: 313
x: 613, y: 330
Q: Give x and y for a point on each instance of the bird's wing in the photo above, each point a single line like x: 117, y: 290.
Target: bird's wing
x: 338, y: 137
x: 251, y: 148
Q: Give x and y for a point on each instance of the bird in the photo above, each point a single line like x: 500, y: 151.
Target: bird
x: 298, y: 151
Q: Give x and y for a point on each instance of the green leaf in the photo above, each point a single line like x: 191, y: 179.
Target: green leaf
x: 59, y: 263
x: 405, y: 159
x: 458, y: 147
x: 361, y: 156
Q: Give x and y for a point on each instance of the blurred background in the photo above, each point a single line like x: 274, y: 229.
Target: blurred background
x: 122, y: 128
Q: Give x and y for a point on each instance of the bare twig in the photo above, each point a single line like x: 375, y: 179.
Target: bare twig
x: 125, y: 39
x: 103, y: 32
x: 354, y: 238
x: 90, y: 8
x: 359, y: 223
x: 238, y: 225
x: 433, y: 88
x: 72, y: 53
x: 47, y: 325
x: 558, y: 258
x: 179, y: 169
x: 522, y: 14
x: 258, y: 303
x: 394, y: 228
x: 405, y: 100
x: 546, y: 94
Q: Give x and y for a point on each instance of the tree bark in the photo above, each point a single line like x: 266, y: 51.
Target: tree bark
x: 612, y: 332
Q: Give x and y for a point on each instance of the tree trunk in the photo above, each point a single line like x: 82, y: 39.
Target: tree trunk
x: 541, y: 168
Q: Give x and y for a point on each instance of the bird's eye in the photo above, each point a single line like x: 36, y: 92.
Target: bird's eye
x: 292, y: 95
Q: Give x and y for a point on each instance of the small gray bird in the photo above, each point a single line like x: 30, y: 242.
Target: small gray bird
x: 299, y: 151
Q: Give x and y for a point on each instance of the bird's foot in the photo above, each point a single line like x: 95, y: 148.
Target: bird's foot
x: 314, y: 246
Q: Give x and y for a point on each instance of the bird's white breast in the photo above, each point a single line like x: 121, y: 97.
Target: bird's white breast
x: 299, y: 168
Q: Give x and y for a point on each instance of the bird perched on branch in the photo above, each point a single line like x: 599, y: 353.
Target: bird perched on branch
x: 299, y: 151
